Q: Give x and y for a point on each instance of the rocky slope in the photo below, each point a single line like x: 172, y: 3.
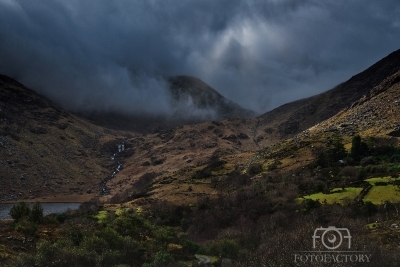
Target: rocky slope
x: 375, y: 113
x: 44, y: 150
x: 298, y: 116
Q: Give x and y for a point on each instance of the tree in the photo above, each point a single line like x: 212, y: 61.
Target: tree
x: 336, y: 150
x: 331, y: 153
x: 20, y: 210
x: 359, y: 149
x: 37, y: 213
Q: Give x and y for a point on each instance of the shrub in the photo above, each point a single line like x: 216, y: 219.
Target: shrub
x: 320, y: 186
x: 131, y: 225
x: 369, y: 208
x: 309, y: 204
x: 203, y: 173
x: 91, y: 206
x: 75, y: 234
x: 361, y: 174
x: 225, y: 247
x: 367, y: 161
x: 255, y: 168
x: 24, y: 259
x: 161, y: 259
x: 37, y: 213
x: 26, y: 227
x: 163, y: 235
x: 95, y: 244
x: 61, y: 218
x: 359, y: 149
x: 113, y: 239
x: 349, y: 171
x: 19, y: 211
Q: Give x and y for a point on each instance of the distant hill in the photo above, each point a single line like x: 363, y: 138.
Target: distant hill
x: 192, y: 101
x: 205, y: 97
x: 297, y: 116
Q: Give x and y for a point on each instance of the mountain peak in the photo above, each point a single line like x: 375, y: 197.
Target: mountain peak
x: 203, y: 96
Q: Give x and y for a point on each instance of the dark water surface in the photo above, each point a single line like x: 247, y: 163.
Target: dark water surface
x: 48, y: 208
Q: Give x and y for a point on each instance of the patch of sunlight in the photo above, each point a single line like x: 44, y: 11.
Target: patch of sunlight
x: 372, y: 226
x: 101, y: 215
x: 385, y: 179
x: 379, y: 194
x: 337, y: 195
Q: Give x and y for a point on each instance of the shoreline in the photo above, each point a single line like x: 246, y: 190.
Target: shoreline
x: 57, y: 199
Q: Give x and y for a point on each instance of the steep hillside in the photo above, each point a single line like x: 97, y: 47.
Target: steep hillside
x: 297, y: 116
x: 375, y: 113
x: 164, y: 164
x: 45, y: 151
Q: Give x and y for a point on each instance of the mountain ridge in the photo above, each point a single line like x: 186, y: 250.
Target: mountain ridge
x: 297, y: 116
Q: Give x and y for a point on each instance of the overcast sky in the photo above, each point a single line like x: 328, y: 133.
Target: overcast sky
x: 100, y: 54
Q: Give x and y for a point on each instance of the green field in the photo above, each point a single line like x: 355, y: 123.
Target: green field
x: 386, y: 179
x: 379, y: 194
x: 337, y: 195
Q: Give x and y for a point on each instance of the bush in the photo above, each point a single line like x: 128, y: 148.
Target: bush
x: 20, y: 210
x: 26, y: 227
x: 95, y: 244
x: 161, y: 259
x: 256, y: 168
x: 228, y: 248
x: 203, y: 173
x: 361, y: 174
x: 309, y: 204
x: 61, y: 218
x: 24, y: 259
x: 320, y: 186
x: 37, y: 213
x: 47, y: 254
x: 349, y: 172
x: 369, y: 208
x: 367, y: 161
x: 114, y: 240
x: 359, y: 149
x: 75, y: 234
x: 132, y: 225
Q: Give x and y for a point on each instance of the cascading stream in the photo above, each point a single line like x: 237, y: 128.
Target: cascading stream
x: 104, y: 190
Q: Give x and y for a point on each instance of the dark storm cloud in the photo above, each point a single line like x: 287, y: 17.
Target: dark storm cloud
x: 114, y: 54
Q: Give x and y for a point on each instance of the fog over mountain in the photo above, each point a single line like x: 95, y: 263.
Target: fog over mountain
x: 114, y: 55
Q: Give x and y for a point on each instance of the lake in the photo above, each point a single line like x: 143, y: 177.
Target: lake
x: 48, y: 208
